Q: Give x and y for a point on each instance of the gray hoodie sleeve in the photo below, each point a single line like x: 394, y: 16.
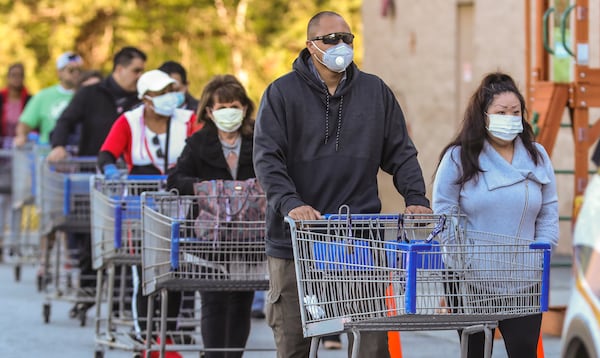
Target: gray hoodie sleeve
x: 270, y: 153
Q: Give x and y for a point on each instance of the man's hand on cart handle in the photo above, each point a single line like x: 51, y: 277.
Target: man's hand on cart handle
x: 19, y: 141
x: 305, y: 212
x: 417, y: 209
x: 57, y: 154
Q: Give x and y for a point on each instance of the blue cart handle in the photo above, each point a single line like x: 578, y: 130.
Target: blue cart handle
x: 361, y: 216
x: 82, y: 158
x: 146, y: 177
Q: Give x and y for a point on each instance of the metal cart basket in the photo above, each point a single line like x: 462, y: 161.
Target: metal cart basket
x: 25, y: 247
x: 65, y: 194
x: 116, y: 217
x: 65, y: 208
x: 7, y: 242
x: 5, y: 165
x: 401, y: 272
x: 182, y: 252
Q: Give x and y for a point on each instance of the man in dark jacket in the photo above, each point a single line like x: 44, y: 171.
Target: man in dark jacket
x: 322, y: 133
x: 96, y: 107
x: 178, y: 73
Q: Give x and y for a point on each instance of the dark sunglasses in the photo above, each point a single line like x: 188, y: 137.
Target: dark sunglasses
x: 334, y: 38
x: 73, y: 69
x: 159, y: 152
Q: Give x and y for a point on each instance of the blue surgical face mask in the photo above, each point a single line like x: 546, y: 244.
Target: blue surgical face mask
x: 165, y: 104
x: 180, y: 98
x: 336, y: 58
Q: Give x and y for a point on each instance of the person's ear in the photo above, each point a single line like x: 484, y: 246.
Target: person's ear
x: 310, y: 46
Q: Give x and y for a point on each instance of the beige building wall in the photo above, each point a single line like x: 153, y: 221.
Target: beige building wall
x: 433, y: 53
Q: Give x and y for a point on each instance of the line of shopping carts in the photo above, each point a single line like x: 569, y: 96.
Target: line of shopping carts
x: 137, y: 224
x: 74, y: 204
x: 354, y: 272
x: 46, y: 203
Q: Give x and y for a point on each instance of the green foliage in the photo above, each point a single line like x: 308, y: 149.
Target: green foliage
x: 256, y: 40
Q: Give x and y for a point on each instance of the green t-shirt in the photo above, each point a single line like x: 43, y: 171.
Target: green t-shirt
x: 43, y: 109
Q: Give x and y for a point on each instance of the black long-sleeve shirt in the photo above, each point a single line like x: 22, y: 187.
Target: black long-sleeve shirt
x: 95, y: 107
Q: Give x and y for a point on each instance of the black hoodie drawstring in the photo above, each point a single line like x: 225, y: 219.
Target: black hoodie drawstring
x: 339, y: 125
x: 326, y: 115
x: 339, y: 121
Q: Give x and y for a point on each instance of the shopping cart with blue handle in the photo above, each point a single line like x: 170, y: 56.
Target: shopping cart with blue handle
x: 65, y: 210
x: 183, y: 251
x: 116, y: 219
x: 413, y: 272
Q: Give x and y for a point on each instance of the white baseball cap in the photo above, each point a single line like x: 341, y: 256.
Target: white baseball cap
x: 66, y: 58
x: 153, y: 80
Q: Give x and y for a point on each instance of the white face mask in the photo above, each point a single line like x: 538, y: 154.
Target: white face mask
x: 505, y: 127
x: 228, y: 119
x: 336, y: 58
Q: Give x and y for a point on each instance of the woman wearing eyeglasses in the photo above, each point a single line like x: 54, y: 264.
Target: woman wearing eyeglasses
x: 221, y: 150
x: 150, y: 138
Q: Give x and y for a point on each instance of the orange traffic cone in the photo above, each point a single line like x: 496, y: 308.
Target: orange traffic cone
x: 540, y: 350
x: 394, y: 345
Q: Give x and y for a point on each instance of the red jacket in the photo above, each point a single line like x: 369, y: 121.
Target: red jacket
x: 130, y: 138
x: 25, y: 96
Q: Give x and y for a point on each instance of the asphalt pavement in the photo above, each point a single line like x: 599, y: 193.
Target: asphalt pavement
x: 24, y: 333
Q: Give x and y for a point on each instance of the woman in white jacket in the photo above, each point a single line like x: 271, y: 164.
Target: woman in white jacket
x: 503, y: 181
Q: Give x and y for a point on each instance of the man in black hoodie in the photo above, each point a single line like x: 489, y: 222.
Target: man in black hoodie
x: 322, y: 133
x: 96, y: 107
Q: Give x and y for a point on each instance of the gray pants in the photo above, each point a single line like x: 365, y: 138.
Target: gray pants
x: 283, y: 315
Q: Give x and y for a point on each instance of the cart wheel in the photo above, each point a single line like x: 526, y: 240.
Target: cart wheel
x: 137, y: 355
x: 46, y: 310
x: 99, y: 354
x: 17, y: 273
x: 82, y: 317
